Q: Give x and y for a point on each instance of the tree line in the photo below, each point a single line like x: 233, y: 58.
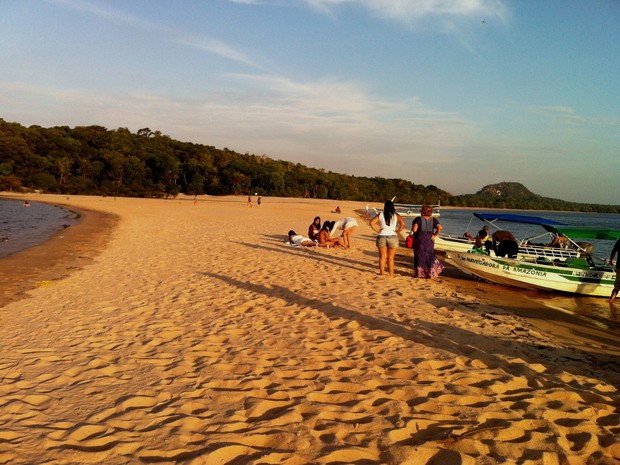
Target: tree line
x: 93, y: 160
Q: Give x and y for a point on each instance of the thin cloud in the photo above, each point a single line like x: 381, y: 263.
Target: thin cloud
x: 558, y: 114
x: 197, y: 41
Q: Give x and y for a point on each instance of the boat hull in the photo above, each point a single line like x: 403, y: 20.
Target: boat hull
x: 531, y: 275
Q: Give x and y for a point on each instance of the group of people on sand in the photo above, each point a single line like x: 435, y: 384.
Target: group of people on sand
x: 388, y: 225
x: 425, y: 228
x: 329, y: 234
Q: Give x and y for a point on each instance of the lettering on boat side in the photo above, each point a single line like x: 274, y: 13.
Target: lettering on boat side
x: 529, y: 271
x: 593, y: 274
x: 478, y: 261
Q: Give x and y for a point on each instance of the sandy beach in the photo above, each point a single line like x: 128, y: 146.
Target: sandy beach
x: 175, y: 331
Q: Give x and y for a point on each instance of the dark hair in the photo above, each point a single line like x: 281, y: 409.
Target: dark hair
x: 317, y: 218
x: 388, y: 211
x: 292, y: 233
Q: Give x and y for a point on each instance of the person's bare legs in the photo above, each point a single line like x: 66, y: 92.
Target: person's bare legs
x: 383, y: 252
x: 391, y: 253
x: 346, y: 236
x: 614, y: 293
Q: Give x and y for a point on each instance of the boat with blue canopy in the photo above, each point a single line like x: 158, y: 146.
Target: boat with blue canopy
x: 584, y: 274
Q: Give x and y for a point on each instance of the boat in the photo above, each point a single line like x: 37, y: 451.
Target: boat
x: 527, y: 247
x: 575, y: 275
x: 411, y: 210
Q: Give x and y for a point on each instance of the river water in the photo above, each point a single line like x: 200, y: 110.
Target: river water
x: 23, y: 227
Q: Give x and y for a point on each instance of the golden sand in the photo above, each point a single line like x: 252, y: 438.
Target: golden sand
x: 196, y: 336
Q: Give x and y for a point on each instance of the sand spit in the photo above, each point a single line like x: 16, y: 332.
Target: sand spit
x: 196, y: 336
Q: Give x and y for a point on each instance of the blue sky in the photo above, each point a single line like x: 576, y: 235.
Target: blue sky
x: 454, y: 93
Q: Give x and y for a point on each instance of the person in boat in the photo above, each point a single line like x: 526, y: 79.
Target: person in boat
x: 388, y: 225
x: 347, y: 225
x: 505, y: 244
x: 325, y: 239
x: 483, y: 238
x: 614, y: 251
x: 425, y: 229
x: 559, y: 241
x: 314, y: 229
x: 298, y: 239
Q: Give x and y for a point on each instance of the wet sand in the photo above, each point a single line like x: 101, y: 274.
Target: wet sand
x: 183, y: 332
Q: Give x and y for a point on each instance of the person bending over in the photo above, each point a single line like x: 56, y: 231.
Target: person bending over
x: 505, y: 244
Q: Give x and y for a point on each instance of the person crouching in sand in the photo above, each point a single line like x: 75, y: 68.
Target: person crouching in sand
x: 325, y: 239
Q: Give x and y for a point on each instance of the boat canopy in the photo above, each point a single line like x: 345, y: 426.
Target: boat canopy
x: 490, y: 217
x: 584, y: 232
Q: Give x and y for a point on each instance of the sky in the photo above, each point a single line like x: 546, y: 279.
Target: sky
x: 457, y: 94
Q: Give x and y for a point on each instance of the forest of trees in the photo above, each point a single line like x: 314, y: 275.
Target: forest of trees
x: 93, y: 160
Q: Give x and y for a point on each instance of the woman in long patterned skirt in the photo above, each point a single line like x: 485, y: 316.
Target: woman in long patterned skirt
x: 425, y: 229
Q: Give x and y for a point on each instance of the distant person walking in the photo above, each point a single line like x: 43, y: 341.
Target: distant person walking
x: 425, y: 229
x: 388, y: 225
x: 259, y: 200
x: 250, y: 201
x: 615, y: 251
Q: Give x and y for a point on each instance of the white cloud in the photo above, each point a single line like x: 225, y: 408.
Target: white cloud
x: 197, y: 41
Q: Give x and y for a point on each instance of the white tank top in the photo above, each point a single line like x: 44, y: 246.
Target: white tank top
x: 385, y: 229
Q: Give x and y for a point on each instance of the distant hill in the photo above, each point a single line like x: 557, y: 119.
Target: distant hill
x: 516, y: 195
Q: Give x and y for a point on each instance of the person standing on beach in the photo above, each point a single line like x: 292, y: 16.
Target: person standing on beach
x: 425, y: 229
x: 388, y: 225
x: 615, y: 251
x: 250, y: 201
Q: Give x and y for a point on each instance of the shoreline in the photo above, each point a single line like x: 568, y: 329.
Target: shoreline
x: 240, y: 348
x: 62, y: 254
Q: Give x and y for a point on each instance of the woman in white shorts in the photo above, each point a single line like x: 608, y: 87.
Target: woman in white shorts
x: 388, y: 224
x: 347, y: 226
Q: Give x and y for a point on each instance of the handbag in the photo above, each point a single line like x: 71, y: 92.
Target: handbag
x: 409, y: 241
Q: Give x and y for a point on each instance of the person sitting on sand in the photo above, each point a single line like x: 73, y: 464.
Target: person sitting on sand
x: 314, y: 229
x: 347, y: 225
x: 298, y: 239
x: 505, y: 244
x: 325, y: 239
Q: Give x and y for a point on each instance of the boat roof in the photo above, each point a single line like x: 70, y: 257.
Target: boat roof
x: 517, y: 218
x: 585, y: 232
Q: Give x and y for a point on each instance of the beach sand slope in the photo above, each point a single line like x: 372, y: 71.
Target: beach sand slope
x: 198, y: 336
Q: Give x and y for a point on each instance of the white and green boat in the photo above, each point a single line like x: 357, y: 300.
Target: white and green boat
x: 585, y: 274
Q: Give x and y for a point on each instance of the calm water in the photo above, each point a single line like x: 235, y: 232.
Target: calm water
x: 456, y: 222
x: 22, y: 227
